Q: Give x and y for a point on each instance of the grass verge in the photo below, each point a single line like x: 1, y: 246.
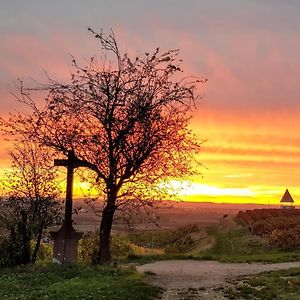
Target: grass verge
x: 73, y: 282
x: 239, y: 245
x: 143, y: 259
x: 235, y: 244
x: 283, y: 285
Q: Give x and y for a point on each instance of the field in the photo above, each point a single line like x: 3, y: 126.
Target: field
x: 199, y: 231
x: 212, y: 233
x: 181, y: 214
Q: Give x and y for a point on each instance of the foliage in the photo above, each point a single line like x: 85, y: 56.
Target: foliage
x: 174, y: 241
x: 280, y: 227
x: 9, y: 253
x: 127, y: 120
x: 45, y: 253
x: 286, y: 239
x: 139, y: 244
x: 251, y: 216
x: 89, y: 246
x: 73, y: 282
x: 283, y: 285
x: 30, y: 206
x: 180, y: 246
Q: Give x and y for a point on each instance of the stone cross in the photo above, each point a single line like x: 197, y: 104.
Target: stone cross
x: 66, y: 239
x: 70, y: 164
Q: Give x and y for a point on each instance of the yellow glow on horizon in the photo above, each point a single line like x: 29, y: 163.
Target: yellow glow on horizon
x: 243, y: 162
x: 189, y: 188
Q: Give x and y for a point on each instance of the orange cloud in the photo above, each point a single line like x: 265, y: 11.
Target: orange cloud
x: 249, y: 115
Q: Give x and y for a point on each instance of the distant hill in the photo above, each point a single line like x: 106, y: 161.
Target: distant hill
x: 181, y: 213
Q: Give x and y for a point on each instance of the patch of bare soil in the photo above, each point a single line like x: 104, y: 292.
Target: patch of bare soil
x: 189, y: 279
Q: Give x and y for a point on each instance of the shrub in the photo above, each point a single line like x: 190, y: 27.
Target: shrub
x: 161, y: 238
x: 89, y: 247
x: 5, y: 250
x: 288, y: 239
x: 281, y: 227
x: 120, y: 246
x: 180, y: 246
x: 45, y: 253
x: 265, y: 227
x: 251, y: 216
x: 12, y: 252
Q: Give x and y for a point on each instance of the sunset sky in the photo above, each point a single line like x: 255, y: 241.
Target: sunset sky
x: 248, y: 49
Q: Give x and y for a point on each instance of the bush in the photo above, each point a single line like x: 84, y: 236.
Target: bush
x: 281, y: 227
x: 162, y: 238
x: 251, y: 216
x: 89, y: 246
x: 180, y: 246
x: 5, y: 250
x: 12, y: 253
x: 286, y: 239
x: 45, y: 253
x: 120, y: 246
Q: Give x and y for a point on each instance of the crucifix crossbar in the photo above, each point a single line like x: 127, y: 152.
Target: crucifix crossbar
x: 71, y: 163
x: 66, y: 238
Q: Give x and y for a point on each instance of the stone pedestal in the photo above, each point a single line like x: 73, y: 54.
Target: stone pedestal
x: 65, y: 244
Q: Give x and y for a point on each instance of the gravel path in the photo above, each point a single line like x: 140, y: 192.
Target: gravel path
x: 189, y: 279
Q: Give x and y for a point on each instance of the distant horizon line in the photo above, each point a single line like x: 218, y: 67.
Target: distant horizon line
x: 75, y: 199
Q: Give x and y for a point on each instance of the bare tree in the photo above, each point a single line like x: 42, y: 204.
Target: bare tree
x: 128, y: 118
x: 31, y: 205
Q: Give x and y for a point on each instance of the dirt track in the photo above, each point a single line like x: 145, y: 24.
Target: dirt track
x: 201, y: 278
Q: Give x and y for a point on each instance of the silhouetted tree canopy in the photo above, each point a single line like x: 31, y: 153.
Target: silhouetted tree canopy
x: 31, y: 203
x: 128, y: 117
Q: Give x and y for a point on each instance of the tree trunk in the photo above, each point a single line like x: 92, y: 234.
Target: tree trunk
x: 104, y: 255
x: 37, y: 246
x: 25, y: 236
